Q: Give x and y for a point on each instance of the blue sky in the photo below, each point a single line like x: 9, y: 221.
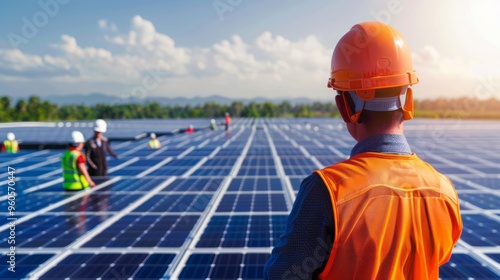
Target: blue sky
x: 234, y: 48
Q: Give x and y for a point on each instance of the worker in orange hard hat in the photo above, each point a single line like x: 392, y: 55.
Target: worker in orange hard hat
x: 383, y: 213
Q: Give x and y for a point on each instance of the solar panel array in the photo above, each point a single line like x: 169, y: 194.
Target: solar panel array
x: 211, y: 206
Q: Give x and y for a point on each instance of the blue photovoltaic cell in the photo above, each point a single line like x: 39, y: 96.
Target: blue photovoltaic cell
x: 487, y: 169
x: 131, y: 185
x: 288, y: 151
x: 38, y: 172
x: 175, y: 203
x: 225, y: 266
x: 187, y: 161
x: 99, y: 201
x: 296, y: 161
x: 220, y: 161
x: 169, y: 171
x: 130, y: 171
x: 53, y: 231
x: 201, y: 152
x: 194, y: 185
x: 111, y: 266
x: 462, y: 186
x: 258, y: 161
x: 296, y: 182
x: 146, y: 231
x: 319, y: 151
x: 243, y: 231
x: 299, y: 170
x: 482, y: 200
x: 146, y: 162
x: 252, y: 202
x: 259, y: 151
x: 329, y: 160
x: 480, y: 230
x: 246, y: 217
x: 234, y: 152
x: 450, y: 169
x: 212, y: 171
x: 255, y: 184
x: 462, y: 266
x: 32, y: 202
x: 256, y: 171
x: 24, y: 264
x: 496, y: 257
x: 493, y: 183
x: 23, y: 183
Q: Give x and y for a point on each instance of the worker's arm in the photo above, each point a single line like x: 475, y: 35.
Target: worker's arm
x: 87, y: 149
x: 83, y: 171
x: 305, y: 246
x: 111, y: 152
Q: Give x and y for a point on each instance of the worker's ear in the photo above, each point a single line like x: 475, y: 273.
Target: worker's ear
x: 339, y: 100
x: 345, y: 104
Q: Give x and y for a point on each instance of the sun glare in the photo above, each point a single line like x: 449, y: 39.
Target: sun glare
x: 485, y: 19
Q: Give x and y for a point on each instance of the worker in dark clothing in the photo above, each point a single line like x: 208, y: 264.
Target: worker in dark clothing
x: 95, y: 150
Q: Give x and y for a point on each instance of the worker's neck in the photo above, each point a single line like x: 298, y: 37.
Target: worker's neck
x: 362, y: 132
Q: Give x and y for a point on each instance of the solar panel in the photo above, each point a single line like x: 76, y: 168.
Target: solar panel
x: 211, y: 206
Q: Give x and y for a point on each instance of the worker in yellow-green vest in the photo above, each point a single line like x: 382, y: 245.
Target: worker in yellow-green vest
x: 10, y: 145
x: 153, y: 142
x: 75, y: 175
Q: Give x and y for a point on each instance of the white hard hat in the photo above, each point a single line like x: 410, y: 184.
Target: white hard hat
x: 100, y: 125
x: 77, y: 137
x: 153, y: 135
x: 191, y: 126
x: 213, y: 121
x: 11, y: 136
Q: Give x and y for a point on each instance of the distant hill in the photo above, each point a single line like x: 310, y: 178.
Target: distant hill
x: 96, y: 97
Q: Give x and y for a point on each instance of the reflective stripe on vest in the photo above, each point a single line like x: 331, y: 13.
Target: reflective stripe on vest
x: 395, y: 216
x: 73, y: 180
x: 11, y: 146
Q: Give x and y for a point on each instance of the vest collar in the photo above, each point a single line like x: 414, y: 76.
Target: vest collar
x: 383, y: 143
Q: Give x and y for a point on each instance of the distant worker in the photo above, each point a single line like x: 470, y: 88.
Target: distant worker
x: 213, y: 124
x: 96, y: 149
x: 190, y: 129
x: 75, y: 175
x: 153, y: 142
x: 383, y: 213
x: 227, y: 121
x: 10, y: 145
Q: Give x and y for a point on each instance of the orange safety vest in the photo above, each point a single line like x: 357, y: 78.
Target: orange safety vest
x: 395, y: 216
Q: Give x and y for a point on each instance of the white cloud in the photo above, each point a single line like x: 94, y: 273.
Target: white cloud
x: 105, y: 25
x: 268, y: 65
x: 14, y: 63
x: 102, y: 23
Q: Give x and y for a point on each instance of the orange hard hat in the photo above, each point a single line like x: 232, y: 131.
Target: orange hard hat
x: 370, y: 56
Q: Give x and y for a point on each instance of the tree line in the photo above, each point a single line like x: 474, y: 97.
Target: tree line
x: 35, y: 109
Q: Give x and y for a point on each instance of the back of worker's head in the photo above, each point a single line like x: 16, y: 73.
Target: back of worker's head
x: 372, y: 72
x: 11, y: 136
x: 77, y: 139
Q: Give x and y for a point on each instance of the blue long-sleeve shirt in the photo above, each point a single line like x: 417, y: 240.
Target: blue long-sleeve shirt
x: 305, y: 247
